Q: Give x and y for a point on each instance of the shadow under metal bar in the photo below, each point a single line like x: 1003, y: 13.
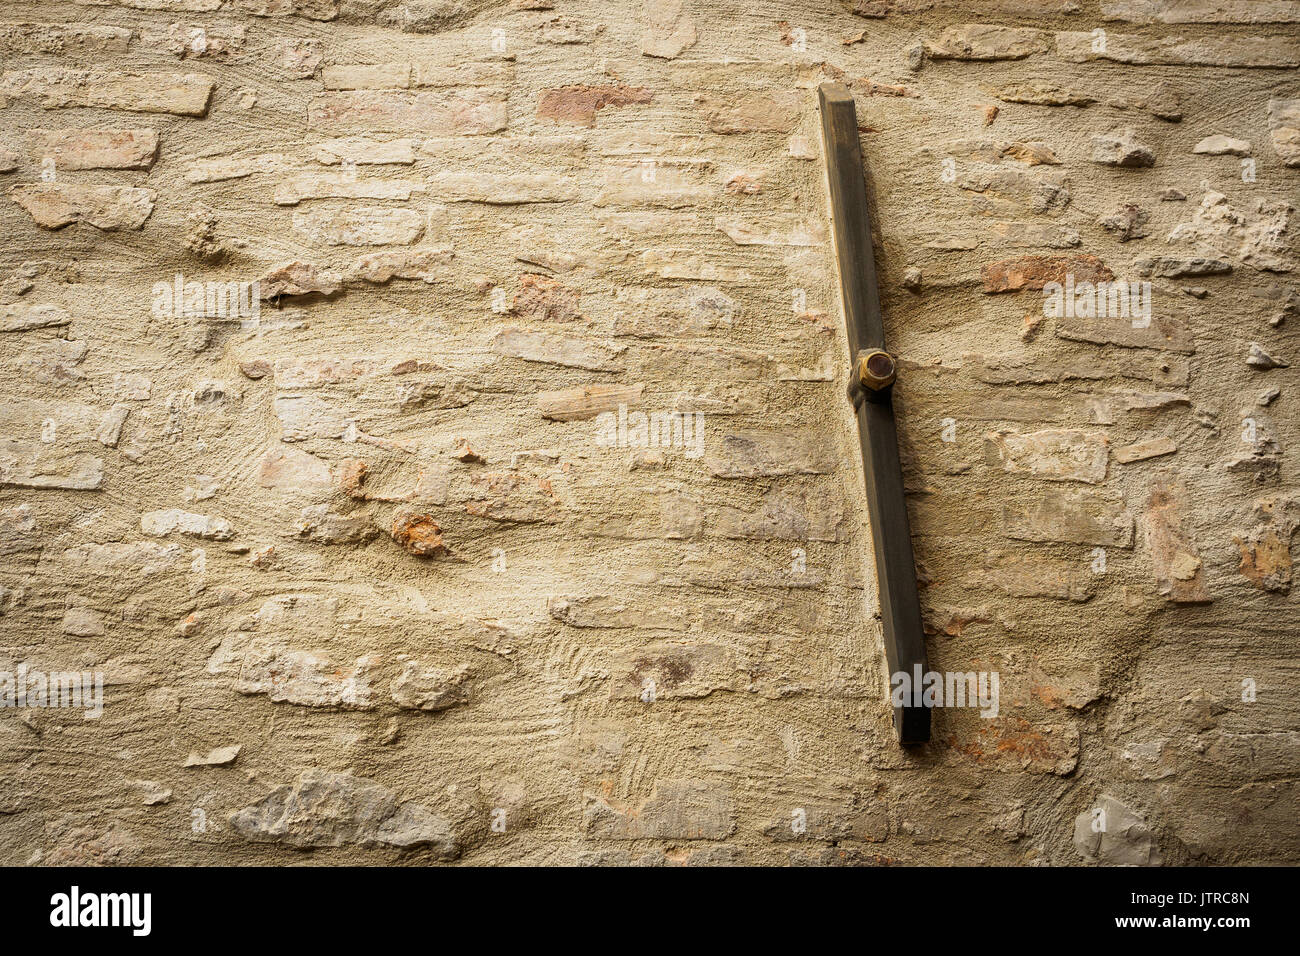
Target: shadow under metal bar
x: 870, y: 389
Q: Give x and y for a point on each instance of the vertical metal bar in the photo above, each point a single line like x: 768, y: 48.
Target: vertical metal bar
x: 900, y: 607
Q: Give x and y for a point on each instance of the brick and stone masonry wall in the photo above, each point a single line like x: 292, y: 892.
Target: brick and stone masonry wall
x: 370, y: 579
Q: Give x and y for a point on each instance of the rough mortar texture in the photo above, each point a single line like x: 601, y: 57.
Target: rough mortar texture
x: 367, y: 581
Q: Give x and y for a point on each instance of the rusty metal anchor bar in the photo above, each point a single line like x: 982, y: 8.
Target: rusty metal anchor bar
x: 871, y: 391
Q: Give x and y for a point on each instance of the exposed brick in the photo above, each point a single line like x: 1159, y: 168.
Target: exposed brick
x: 580, y: 104
x: 483, y: 233
x: 588, y: 401
x: 185, y: 94
x: 1054, y: 454
x: 380, y: 76
x: 364, y: 151
x: 1141, y: 451
x: 1034, y: 272
x: 426, y: 265
x: 1175, y: 558
x: 768, y: 454
x: 57, y: 38
x: 288, y: 468
x: 1164, y: 332
x: 667, y: 29
x: 751, y: 112
x: 332, y: 185
x: 453, y: 112
x: 784, y: 515
x: 1236, y: 51
x: 1202, y: 11
x: 1025, y: 575
x: 95, y: 148
x: 512, y: 498
x: 555, y: 349
x: 981, y: 41
x: 225, y: 168
x: 364, y: 226
x: 674, y: 671
x: 55, y: 205
x: 31, y: 464
x: 1078, y: 517
x: 308, y: 9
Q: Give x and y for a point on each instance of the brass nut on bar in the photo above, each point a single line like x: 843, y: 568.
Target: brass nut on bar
x: 876, y: 369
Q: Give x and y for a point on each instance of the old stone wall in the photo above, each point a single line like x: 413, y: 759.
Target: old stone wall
x: 376, y: 557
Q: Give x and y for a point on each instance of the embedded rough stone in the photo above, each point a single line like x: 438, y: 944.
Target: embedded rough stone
x: 418, y: 533
x: 286, y: 675
x: 1261, y: 358
x: 322, y: 525
x: 174, y: 521
x: 1164, y: 332
x: 298, y: 278
x: 1121, y: 150
x: 1172, y: 267
x: 1112, y: 833
x: 1044, y: 94
x: 1266, y: 548
x: 1220, y: 145
x: 545, y: 299
x: 324, y: 809
x: 675, y: 810
x: 1126, y: 222
x: 421, y: 687
x: 1284, y: 130
x: 21, y: 317
x: 217, y: 757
